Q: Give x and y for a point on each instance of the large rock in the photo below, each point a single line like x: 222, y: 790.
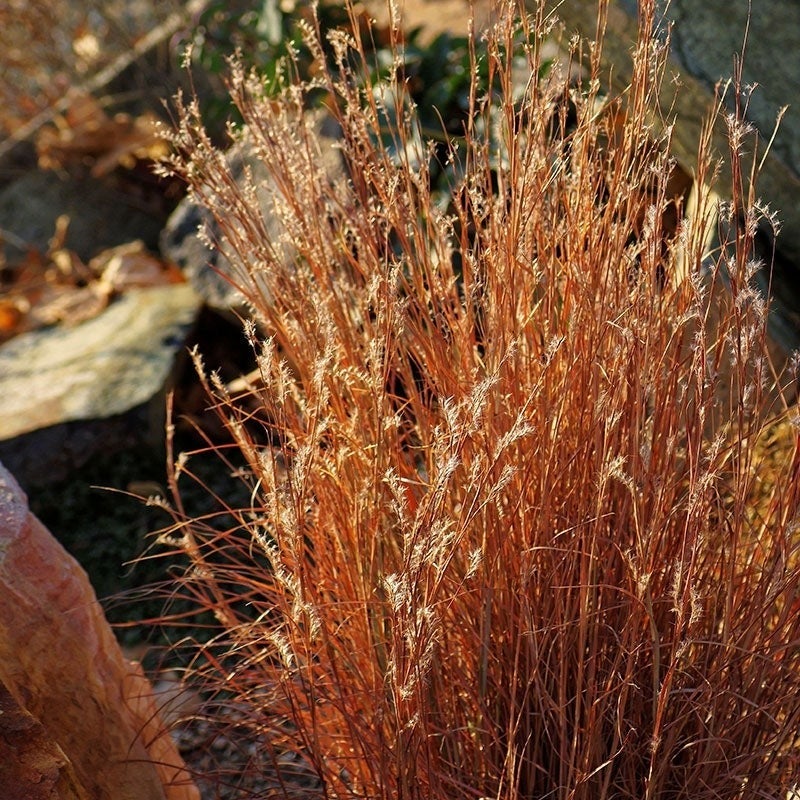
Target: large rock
x: 32, y: 765
x: 61, y: 664
x: 706, y: 38
x: 101, y: 215
x: 67, y: 393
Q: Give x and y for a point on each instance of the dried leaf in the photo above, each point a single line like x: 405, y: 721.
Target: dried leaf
x: 135, y: 140
x: 59, y: 238
x: 87, y: 48
x: 10, y: 317
x: 67, y: 268
x: 69, y: 305
x: 86, y: 134
x: 130, y: 265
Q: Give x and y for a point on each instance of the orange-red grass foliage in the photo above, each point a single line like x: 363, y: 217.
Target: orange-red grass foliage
x: 501, y: 453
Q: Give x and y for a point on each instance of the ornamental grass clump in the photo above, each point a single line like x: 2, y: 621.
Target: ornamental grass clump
x: 502, y: 538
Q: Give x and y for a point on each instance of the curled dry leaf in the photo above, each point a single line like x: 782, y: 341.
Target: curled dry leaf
x: 69, y: 305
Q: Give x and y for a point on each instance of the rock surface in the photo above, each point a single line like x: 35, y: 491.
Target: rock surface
x: 707, y: 36
x: 32, y: 765
x: 101, y: 215
x: 112, y: 369
x: 61, y: 663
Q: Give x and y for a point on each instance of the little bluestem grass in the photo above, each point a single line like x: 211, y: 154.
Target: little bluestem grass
x: 502, y: 539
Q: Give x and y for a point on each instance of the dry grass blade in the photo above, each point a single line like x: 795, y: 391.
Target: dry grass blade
x: 503, y: 539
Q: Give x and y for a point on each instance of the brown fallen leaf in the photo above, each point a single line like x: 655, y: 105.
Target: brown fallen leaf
x: 129, y: 265
x: 112, y: 272
x: 11, y: 314
x: 69, y: 305
x: 86, y: 134
x: 57, y: 287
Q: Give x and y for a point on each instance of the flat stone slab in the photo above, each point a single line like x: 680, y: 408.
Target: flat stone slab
x: 102, y: 367
x: 67, y: 391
